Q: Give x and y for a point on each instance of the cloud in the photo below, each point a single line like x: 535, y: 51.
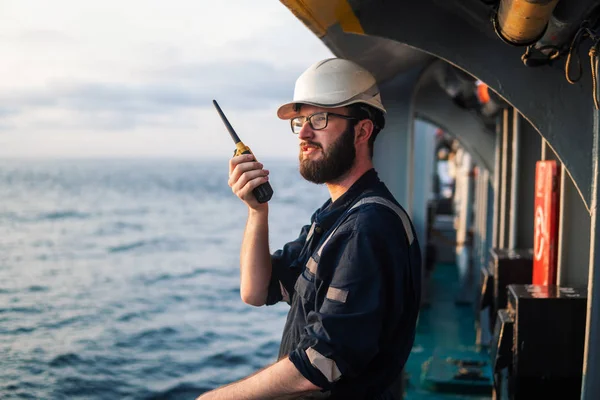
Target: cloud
x: 246, y: 82
x: 250, y: 86
x: 43, y: 36
x: 6, y: 111
x: 115, y: 69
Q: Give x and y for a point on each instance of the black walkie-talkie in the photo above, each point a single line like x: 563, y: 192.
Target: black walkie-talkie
x: 264, y: 192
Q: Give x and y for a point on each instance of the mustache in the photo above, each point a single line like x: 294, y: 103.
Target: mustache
x: 309, y: 143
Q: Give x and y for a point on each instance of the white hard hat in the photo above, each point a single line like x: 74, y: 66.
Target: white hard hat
x: 332, y: 83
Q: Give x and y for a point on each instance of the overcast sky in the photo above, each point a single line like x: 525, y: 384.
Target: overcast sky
x: 136, y: 77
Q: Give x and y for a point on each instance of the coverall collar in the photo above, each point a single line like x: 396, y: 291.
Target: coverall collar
x: 332, y: 210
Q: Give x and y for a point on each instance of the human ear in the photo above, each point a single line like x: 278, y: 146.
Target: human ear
x: 365, y: 129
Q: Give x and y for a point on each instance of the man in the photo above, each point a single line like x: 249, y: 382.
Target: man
x: 352, y: 277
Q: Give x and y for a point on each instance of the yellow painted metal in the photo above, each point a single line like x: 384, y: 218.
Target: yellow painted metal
x: 523, y: 21
x: 320, y: 15
x: 241, y: 148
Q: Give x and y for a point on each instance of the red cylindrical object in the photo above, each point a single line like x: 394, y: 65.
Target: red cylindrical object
x: 545, y: 243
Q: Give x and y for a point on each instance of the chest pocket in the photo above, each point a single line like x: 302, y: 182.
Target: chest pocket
x: 305, y: 287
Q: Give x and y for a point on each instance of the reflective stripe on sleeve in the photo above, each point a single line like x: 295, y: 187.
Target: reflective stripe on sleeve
x: 337, y: 294
x: 326, y: 365
x: 312, y: 265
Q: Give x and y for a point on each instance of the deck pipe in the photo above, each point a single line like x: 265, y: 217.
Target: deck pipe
x: 523, y: 22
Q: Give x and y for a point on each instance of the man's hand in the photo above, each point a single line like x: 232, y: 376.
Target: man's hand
x: 246, y: 174
x: 280, y: 380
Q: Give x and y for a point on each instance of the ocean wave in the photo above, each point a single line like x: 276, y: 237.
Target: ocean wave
x: 60, y: 215
x: 22, y: 390
x: 78, y: 319
x: 19, y: 331
x: 150, y: 280
x: 266, y: 350
x: 38, y: 288
x: 171, y: 339
x: 97, y: 362
x: 24, y: 310
x: 127, y: 247
x: 149, y: 339
x: 180, y: 391
x: 130, y: 316
x: 152, y: 333
x: 155, y: 279
x: 118, y: 227
x: 44, y: 216
x: 157, y: 244
x: 227, y: 359
x: 175, y: 298
x: 77, y: 386
x: 131, y: 211
x: 67, y: 360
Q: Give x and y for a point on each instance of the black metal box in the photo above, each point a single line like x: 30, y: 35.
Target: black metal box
x: 548, y: 340
x: 501, y: 352
x: 486, y: 304
x: 509, y: 267
x: 486, y: 297
x: 501, y: 349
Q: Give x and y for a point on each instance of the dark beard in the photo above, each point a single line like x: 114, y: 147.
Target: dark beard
x: 335, y: 162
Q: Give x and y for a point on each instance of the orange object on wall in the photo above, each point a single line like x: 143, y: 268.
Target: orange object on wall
x: 545, y: 243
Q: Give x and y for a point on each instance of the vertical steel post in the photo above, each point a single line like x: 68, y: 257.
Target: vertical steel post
x: 497, y: 180
x: 561, y: 276
x: 504, y: 178
x: 485, y: 176
x: 591, y: 357
x: 514, y: 181
x: 544, y: 148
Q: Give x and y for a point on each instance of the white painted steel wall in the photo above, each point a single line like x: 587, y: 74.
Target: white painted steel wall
x: 422, y: 192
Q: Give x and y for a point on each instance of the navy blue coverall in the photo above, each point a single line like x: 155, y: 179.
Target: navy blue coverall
x: 355, y: 299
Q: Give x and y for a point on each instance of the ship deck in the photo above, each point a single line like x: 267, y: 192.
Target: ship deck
x: 443, y: 328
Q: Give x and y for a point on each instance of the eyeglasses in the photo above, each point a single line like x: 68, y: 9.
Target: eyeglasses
x: 317, y: 121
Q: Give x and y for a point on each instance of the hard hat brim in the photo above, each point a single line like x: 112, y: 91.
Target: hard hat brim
x: 287, y: 111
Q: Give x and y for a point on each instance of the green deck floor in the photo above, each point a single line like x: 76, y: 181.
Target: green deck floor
x: 442, y: 326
